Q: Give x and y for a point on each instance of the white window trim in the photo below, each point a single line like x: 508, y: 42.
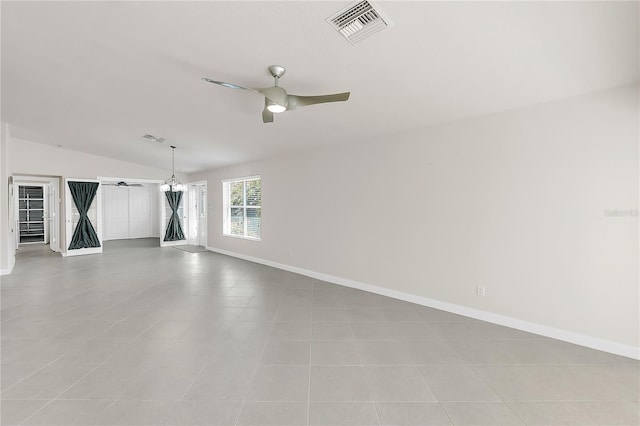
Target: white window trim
x: 226, y: 225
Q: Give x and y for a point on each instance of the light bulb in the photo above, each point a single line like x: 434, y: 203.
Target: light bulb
x: 274, y: 107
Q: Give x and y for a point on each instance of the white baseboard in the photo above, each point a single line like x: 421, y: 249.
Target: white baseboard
x: 531, y: 327
x: 7, y: 271
x: 70, y: 253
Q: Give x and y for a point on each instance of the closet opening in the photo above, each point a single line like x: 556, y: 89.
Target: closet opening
x: 35, y: 211
x: 130, y: 209
x: 32, y: 213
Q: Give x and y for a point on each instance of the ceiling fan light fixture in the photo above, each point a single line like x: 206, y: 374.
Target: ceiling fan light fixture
x: 276, y: 98
x: 274, y: 107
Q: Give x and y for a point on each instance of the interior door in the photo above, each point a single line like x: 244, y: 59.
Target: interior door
x: 45, y: 212
x: 116, y: 212
x: 197, y: 214
x: 140, y: 220
x: 193, y: 215
x: 52, y: 213
x: 202, y: 215
x: 13, y: 213
x: 72, y: 219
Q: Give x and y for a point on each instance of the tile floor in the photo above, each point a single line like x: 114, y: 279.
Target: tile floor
x: 142, y: 335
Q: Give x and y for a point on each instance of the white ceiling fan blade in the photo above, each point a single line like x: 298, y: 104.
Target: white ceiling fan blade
x: 230, y: 85
x: 296, y: 101
x: 267, y: 116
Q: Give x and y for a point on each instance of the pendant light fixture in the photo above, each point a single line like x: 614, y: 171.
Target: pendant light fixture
x: 172, y: 184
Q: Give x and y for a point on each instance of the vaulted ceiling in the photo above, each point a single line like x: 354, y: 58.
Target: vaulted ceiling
x: 96, y: 76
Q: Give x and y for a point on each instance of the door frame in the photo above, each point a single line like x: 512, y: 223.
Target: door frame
x: 197, y: 213
x: 184, y: 219
x: 52, y: 208
x: 156, y: 182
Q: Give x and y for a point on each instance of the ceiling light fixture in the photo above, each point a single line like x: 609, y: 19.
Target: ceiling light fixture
x: 276, y: 98
x: 172, y: 184
x: 274, y: 107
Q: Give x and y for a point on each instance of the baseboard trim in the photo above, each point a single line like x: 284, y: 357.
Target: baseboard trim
x: 531, y: 327
x: 7, y: 271
x: 71, y: 253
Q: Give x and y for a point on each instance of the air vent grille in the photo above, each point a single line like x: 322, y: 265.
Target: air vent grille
x: 358, y: 21
x: 154, y: 138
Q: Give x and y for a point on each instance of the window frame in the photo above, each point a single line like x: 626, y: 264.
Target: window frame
x: 226, y: 207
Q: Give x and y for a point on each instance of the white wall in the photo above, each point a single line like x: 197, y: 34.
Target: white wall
x: 38, y: 159
x: 517, y: 201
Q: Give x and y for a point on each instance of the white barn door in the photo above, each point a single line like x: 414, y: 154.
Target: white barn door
x: 140, y: 220
x: 116, y: 212
x: 128, y: 212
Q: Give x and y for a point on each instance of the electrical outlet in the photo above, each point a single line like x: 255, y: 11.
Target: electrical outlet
x: 480, y: 290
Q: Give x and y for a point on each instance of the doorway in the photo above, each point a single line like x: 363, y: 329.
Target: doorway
x: 197, y: 213
x: 83, y: 211
x: 129, y: 210
x: 36, y: 204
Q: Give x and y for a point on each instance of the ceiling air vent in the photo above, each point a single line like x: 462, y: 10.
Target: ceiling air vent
x: 358, y: 21
x: 154, y: 138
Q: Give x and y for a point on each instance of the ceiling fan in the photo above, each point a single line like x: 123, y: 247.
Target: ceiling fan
x: 121, y: 184
x: 277, y: 100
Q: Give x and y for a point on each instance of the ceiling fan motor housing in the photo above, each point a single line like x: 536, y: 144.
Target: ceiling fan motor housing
x: 276, y: 94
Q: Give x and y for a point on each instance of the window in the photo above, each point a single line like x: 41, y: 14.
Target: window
x: 242, y: 200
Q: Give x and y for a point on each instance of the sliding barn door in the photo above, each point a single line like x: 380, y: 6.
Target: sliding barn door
x: 140, y: 209
x: 116, y: 212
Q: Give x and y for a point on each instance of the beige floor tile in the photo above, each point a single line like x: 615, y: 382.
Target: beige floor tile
x: 411, y: 414
x: 611, y: 412
x: 332, y: 331
x: 290, y: 331
x: 155, y: 324
x: 333, y: 383
x: 550, y: 413
x: 208, y: 413
x: 48, y: 382
x: 69, y: 412
x: 286, y: 352
x: 107, y: 381
x: 280, y: 383
x: 14, y: 412
x: 481, y: 413
x: 336, y: 352
x: 137, y: 413
x: 342, y: 413
x: 221, y: 382
x: 397, y: 383
x: 273, y: 414
x: 456, y: 383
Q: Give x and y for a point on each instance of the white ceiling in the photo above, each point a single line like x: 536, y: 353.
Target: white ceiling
x: 96, y: 76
